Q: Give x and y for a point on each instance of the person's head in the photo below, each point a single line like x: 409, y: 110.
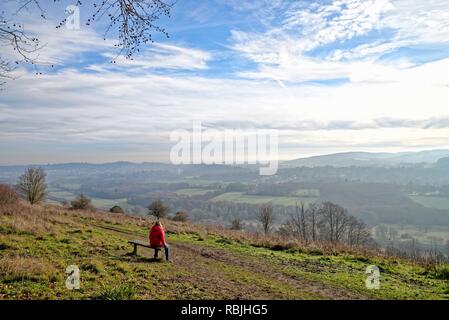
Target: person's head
x: 158, y: 223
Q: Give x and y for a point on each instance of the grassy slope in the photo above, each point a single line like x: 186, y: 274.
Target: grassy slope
x: 240, y: 197
x: 37, y: 244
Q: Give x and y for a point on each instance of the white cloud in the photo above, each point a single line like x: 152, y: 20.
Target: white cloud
x: 281, y: 53
x: 72, y: 108
x: 391, y: 106
x: 59, y: 46
x: 63, y: 47
x: 419, y: 21
x: 166, y: 56
x: 340, y: 20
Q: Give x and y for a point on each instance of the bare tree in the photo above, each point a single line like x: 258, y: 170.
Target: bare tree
x: 358, y: 233
x: 447, y: 248
x: 134, y: 21
x: 326, y: 222
x: 313, y: 215
x: 266, y: 217
x: 13, y: 36
x: 341, y: 219
x: 334, y: 221
x: 158, y: 209
x: 236, y: 224
x: 32, y: 185
x: 297, y: 223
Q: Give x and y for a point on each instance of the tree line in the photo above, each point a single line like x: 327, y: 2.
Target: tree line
x: 319, y: 222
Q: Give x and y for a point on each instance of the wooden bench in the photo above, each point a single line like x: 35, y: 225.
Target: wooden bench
x: 141, y: 243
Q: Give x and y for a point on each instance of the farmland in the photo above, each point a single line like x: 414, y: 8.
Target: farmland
x: 441, y: 203
x: 240, y: 197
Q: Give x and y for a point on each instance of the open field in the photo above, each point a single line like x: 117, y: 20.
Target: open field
x: 426, y: 235
x: 441, y: 203
x: 105, y: 204
x: 38, y: 243
x: 108, y: 203
x: 193, y: 182
x: 240, y: 197
x: 192, y: 191
x: 307, y: 193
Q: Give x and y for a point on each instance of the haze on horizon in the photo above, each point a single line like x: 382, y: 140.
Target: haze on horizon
x: 331, y: 76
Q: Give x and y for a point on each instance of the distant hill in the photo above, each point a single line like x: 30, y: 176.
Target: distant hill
x: 443, y: 163
x: 368, y: 159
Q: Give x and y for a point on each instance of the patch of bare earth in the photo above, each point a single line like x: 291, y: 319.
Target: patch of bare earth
x: 196, y: 261
x: 272, y: 271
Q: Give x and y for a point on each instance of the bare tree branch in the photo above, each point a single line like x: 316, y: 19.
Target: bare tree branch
x: 133, y: 22
x: 266, y: 217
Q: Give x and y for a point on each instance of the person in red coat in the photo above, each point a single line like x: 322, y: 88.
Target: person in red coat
x: 157, y: 240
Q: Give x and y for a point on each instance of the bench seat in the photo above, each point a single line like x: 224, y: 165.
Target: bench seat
x: 142, y: 244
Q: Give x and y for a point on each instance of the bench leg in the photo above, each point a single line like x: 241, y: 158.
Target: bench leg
x: 156, y: 253
x: 135, y: 249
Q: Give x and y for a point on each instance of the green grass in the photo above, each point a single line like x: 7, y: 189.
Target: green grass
x: 99, y: 203
x: 101, y: 256
x: 118, y: 292
x: 240, y: 197
x: 441, y: 203
x: 192, y: 191
x: 66, y: 195
x: 70, y: 186
x: 33, y: 263
x: 108, y: 203
x: 192, y: 182
x: 399, y: 280
x: 307, y: 193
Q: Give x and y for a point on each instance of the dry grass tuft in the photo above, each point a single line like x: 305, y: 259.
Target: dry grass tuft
x: 280, y: 243
x: 8, y: 195
x: 25, y: 218
x: 19, y: 268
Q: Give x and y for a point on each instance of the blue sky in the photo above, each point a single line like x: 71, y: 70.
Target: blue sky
x: 331, y: 76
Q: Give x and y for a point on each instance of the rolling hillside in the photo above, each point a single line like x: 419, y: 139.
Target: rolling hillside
x: 364, y: 159
x: 38, y: 243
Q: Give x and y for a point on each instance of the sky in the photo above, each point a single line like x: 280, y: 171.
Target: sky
x: 330, y: 76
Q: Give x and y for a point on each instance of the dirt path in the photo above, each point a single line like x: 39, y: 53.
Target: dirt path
x: 228, y: 275
x: 272, y: 271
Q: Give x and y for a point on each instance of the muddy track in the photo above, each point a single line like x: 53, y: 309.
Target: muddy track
x: 199, y: 272
x: 194, y: 259
x: 273, y: 271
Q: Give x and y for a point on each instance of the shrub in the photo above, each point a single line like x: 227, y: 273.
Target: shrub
x: 116, y: 209
x: 236, y: 224
x: 82, y: 203
x: 441, y: 273
x: 279, y: 247
x: 8, y: 195
x: 91, y: 267
x: 158, y: 209
x: 181, y: 216
x: 119, y: 292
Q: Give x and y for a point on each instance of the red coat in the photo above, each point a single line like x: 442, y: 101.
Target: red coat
x: 157, y: 237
